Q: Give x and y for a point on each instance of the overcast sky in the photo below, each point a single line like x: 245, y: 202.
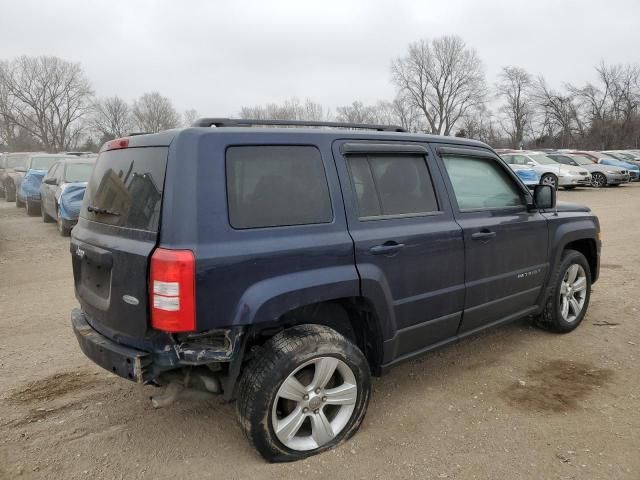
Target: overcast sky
x: 218, y: 56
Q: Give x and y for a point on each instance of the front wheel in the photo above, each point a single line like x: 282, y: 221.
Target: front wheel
x: 32, y: 210
x: 62, y: 229
x: 569, y: 300
x: 598, y: 180
x: 549, y: 179
x: 307, y: 392
x: 9, y: 194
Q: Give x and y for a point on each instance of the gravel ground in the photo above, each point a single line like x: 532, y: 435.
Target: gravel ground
x: 515, y: 402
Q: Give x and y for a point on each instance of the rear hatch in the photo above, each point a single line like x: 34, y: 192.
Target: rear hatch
x: 115, y: 236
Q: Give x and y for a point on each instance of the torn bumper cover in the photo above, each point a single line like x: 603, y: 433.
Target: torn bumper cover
x: 144, y: 366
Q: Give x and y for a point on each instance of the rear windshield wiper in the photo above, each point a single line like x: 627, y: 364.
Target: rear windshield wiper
x: 104, y: 211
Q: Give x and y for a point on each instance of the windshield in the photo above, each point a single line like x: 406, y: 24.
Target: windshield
x: 78, y: 172
x: 43, y: 163
x: 16, y: 161
x: 581, y: 160
x: 543, y: 159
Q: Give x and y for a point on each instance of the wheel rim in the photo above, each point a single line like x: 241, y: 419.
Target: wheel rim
x: 549, y: 180
x: 597, y: 180
x: 573, y: 292
x: 314, y: 403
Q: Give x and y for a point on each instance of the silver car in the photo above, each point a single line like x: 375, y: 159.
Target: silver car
x: 601, y: 175
x: 551, y: 172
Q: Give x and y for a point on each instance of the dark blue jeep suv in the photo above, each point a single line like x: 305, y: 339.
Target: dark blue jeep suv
x: 282, y: 267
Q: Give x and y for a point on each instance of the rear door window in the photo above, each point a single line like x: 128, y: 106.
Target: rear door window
x: 128, y: 184
x: 392, y: 185
x: 273, y: 186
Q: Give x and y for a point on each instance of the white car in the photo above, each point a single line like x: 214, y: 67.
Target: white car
x: 551, y: 172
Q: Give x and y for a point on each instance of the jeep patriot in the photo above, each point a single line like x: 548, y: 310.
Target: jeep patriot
x: 283, y: 267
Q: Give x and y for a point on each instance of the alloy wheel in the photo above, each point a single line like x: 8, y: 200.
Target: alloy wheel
x: 549, y: 180
x: 314, y: 403
x: 573, y: 292
x: 598, y: 180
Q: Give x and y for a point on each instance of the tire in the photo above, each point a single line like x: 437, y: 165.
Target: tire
x: 549, y: 179
x: 1, y: 191
x: 10, y: 194
x: 64, y: 231
x: 45, y: 216
x: 598, y: 180
x: 553, y: 317
x: 292, y: 355
x: 33, y: 210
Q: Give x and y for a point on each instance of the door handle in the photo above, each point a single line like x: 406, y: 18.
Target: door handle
x: 386, y: 248
x: 484, y: 235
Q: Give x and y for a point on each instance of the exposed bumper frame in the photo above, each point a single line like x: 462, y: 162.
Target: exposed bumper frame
x: 219, y: 346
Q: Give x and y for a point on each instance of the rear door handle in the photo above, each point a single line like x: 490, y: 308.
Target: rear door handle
x: 484, y: 235
x: 386, y: 248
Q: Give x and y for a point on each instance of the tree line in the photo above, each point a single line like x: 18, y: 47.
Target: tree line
x: 441, y: 88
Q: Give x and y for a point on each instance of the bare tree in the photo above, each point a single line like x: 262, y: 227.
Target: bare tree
x: 406, y: 113
x: 479, y: 124
x: 443, y: 78
x: 515, y: 89
x: 111, y: 118
x: 152, y: 113
x: 558, y: 114
x: 47, y: 97
x: 291, y: 109
x: 357, y: 112
x: 189, y: 117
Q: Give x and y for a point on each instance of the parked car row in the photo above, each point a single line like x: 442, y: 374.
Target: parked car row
x: 570, y: 168
x: 50, y: 185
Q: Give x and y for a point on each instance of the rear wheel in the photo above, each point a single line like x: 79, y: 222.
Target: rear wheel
x: 598, y: 180
x: 569, y: 300
x: 549, y: 179
x: 307, y: 392
x: 33, y: 210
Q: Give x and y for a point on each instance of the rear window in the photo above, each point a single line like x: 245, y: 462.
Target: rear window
x: 17, y: 161
x: 389, y: 185
x: 271, y: 186
x: 128, y: 183
x: 43, y: 163
x: 78, y: 172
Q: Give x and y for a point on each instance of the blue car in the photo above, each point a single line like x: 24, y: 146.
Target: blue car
x: 62, y: 190
x: 634, y: 170
x: 28, y: 183
x: 528, y: 175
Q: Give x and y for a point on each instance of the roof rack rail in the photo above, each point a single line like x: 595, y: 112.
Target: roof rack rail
x: 234, y: 122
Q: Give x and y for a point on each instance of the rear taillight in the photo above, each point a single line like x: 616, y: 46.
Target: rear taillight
x: 172, y: 290
x: 116, y: 144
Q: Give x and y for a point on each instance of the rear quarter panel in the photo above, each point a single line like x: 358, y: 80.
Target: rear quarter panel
x: 250, y: 276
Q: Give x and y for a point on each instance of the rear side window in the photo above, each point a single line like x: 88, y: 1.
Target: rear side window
x: 271, y: 186
x: 480, y: 183
x: 128, y: 184
x: 389, y: 185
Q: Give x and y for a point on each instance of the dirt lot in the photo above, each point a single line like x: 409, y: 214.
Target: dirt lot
x: 512, y: 403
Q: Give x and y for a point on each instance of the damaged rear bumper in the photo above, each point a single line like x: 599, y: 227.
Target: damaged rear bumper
x: 145, y: 366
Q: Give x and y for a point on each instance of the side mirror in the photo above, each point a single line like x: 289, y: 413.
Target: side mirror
x: 20, y: 169
x: 544, y: 197
x: 531, y: 164
x: 51, y: 181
